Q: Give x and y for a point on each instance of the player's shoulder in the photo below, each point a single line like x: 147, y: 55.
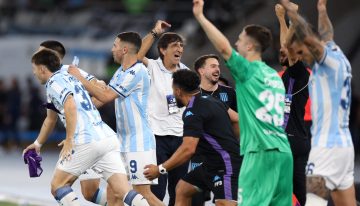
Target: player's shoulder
x: 226, y: 88
x: 138, y: 67
x: 204, y: 102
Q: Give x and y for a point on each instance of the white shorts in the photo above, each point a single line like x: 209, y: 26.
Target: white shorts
x: 90, y: 174
x: 101, y: 156
x: 335, y: 165
x: 135, y: 163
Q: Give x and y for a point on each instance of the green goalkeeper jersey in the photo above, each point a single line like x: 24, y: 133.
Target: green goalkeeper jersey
x: 260, y: 99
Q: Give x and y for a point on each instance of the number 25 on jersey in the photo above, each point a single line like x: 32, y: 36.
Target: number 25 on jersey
x: 272, y: 112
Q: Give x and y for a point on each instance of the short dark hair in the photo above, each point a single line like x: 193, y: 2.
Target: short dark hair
x: 48, y: 58
x: 56, y: 46
x: 186, y: 80
x: 260, y: 34
x: 132, y: 38
x: 166, y: 39
x: 199, y: 62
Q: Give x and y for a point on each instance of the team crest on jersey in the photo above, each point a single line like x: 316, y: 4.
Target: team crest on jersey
x: 223, y: 96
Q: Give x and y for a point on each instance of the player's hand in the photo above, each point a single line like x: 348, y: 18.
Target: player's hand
x: 289, y: 6
x: 32, y: 146
x: 151, y: 172
x: 198, y: 6
x: 66, y: 151
x: 280, y: 11
x: 100, y: 83
x: 73, y: 70
x: 161, y: 26
x: 321, y: 5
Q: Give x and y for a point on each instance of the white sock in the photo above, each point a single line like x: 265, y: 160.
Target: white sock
x: 314, y: 200
x: 100, y: 197
x: 132, y: 198
x: 66, y: 197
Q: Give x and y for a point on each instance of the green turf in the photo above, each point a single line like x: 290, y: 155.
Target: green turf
x: 2, y: 203
x: 7, y: 204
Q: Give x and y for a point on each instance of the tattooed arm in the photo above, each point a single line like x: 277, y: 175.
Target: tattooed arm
x: 303, y: 31
x: 325, y: 27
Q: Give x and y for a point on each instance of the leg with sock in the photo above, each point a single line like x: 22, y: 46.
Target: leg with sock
x: 132, y: 198
x: 100, y: 197
x: 66, y: 196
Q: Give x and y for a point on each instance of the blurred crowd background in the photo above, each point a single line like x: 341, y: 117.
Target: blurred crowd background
x: 87, y: 29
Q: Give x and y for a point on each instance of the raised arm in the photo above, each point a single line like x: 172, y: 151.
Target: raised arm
x: 149, y: 39
x: 303, y: 31
x: 220, y: 42
x: 280, y: 13
x: 325, y: 28
x: 292, y: 57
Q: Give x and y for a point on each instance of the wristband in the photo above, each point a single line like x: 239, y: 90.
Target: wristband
x: 162, y: 169
x: 37, y: 144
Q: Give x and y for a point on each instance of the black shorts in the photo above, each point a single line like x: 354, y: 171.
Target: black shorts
x: 223, y: 186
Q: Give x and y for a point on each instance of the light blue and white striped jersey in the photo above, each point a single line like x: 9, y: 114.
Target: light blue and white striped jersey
x: 87, y: 76
x: 133, y: 129
x: 89, y: 125
x: 330, y: 94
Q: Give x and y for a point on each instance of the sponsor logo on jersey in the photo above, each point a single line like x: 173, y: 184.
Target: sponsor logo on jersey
x: 134, y: 177
x: 217, y: 181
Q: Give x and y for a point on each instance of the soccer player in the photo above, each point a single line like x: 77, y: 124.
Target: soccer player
x: 207, y: 132
x: 295, y: 78
x: 164, y: 115
x: 331, y: 160
x: 129, y: 87
x: 266, y: 172
x: 207, y: 66
x: 89, y: 142
x: 90, y: 180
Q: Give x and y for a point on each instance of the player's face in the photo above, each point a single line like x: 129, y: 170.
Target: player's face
x: 177, y: 94
x: 173, y: 52
x: 210, y: 71
x: 242, y: 44
x: 38, y: 72
x: 118, y: 51
x: 301, y: 52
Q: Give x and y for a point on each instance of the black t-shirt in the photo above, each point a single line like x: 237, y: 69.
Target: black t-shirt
x: 207, y: 119
x: 295, y: 128
x: 225, y: 94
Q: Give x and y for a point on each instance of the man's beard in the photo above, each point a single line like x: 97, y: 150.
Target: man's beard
x: 214, y: 82
x: 179, y: 103
x: 211, y: 80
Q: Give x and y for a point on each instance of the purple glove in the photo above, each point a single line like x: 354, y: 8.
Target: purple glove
x: 32, y: 159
